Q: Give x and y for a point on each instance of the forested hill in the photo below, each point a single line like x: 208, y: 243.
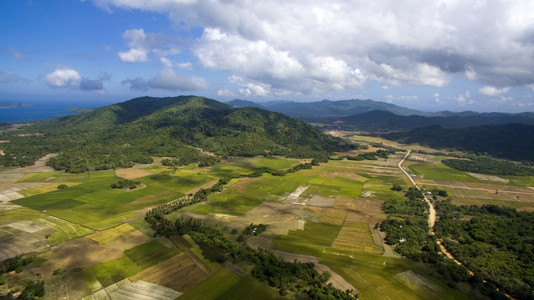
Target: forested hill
x: 133, y: 131
x: 387, y: 121
x: 512, y: 141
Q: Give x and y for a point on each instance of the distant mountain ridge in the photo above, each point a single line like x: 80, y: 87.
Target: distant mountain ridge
x: 380, y: 121
x: 512, y: 141
x: 326, y: 110
x: 12, y: 104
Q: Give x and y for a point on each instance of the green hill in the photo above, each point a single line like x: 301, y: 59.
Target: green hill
x: 133, y: 131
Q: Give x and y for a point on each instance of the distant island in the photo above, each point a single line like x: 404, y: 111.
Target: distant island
x: 13, y: 104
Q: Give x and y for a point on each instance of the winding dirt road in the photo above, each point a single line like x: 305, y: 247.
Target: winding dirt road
x: 432, y: 212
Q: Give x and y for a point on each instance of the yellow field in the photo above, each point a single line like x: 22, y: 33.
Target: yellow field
x: 356, y: 236
x: 329, y: 215
x: 122, y: 237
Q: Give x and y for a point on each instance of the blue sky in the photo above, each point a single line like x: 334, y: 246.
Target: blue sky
x: 429, y: 55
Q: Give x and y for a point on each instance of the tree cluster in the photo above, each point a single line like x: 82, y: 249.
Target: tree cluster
x: 486, y: 165
x: 496, y: 242
x: 124, y: 183
x: 253, y: 229
x: 407, y: 229
x: 369, y: 156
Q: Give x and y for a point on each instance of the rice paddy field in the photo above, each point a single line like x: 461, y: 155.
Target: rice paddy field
x: 93, y: 242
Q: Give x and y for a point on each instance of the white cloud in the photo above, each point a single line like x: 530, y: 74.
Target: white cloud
x: 225, y: 93
x: 63, y: 77
x: 170, y: 64
x: 391, y: 98
x: 133, y: 55
x: 492, y: 91
x: 142, y: 43
x: 437, y: 99
x: 169, y: 80
x: 464, y: 99
x: 313, y: 45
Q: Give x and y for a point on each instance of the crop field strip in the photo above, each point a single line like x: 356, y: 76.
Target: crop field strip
x: 179, y: 272
x: 139, y: 290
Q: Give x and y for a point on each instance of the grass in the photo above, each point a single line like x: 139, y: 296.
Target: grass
x: 181, y: 182
x: 250, y: 288
x: 67, y: 231
x: 356, y: 236
x: 379, y: 277
x: 439, y: 171
x: 44, y: 189
x: 94, y: 204
x: 212, y: 287
x: 104, y: 237
x: 319, y: 234
x: 64, y: 230
x: 113, y: 271
x: 151, y: 253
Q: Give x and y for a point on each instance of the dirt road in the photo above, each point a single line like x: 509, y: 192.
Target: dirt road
x: 432, y: 212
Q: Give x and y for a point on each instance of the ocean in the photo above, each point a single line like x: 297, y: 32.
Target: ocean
x: 39, y: 111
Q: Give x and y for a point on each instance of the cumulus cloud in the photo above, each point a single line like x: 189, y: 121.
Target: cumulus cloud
x: 492, y: 91
x: 464, y: 99
x: 167, y: 79
x: 63, y: 77
x: 225, y: 93
x: 313, y: 45
x: 138, y: 84
x: 142, y: 43
x: 91, y: 85
x: 133, y: 55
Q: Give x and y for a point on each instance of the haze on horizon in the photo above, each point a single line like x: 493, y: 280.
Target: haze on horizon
x: 428, y: 55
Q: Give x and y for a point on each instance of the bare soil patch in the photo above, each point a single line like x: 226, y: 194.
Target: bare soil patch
x: 320, y: 201
x: 132, y: 173
x: 329, y: 215
x: 242, y: 184
x: 489, y: 177
x: 353, y: 176
x: 345, y: 203
x: 293, y: 198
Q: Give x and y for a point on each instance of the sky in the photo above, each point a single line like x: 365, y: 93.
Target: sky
x: 429, y: 55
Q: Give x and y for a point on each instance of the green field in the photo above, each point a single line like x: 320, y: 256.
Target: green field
x: 112, y: 271
x: 250, y: 288
x: 318, y: 234
x: 94, y: 204
x: 439, y: 171
x: 151, y: 253
x: 213, y: 287
x: 379, y: 277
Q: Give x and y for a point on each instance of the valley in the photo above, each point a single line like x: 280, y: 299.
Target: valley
x: 150, y: 222
x: 323, y: 215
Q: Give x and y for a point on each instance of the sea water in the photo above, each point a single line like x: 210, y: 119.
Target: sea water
x: 39, y: 111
